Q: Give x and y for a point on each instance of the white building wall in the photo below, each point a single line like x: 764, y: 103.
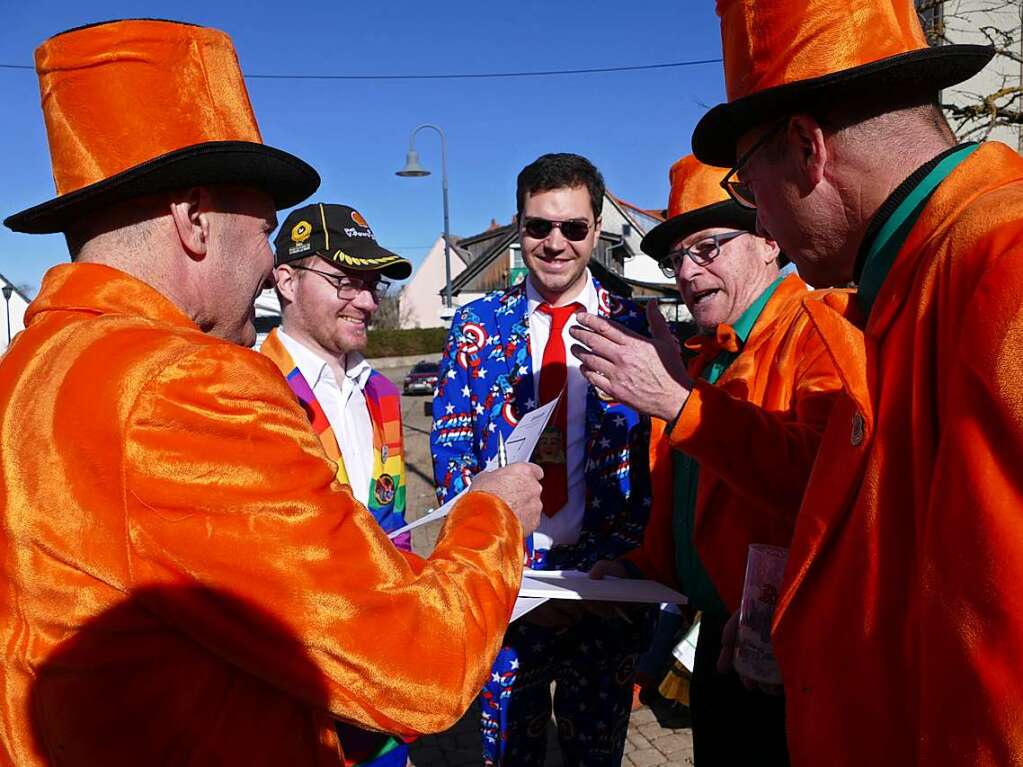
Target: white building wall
x: 963, y: 21
x: 640, y: 267
x: 420, y: 300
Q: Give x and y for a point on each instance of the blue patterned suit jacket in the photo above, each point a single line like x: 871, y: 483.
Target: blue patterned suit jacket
x: 485, y: 385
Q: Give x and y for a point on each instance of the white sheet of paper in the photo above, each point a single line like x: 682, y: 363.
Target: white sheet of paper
x: 426, y: 518
x: 571, y: 584
x: 518, y: 447
x: 685, y: 651
x: 523, y: 605
x: 522, y: 441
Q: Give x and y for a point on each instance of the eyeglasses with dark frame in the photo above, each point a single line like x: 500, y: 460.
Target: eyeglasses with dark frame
x: 737, y: 189
x: 347, y: 287
x: 702, y: 252
x: 572, y: 230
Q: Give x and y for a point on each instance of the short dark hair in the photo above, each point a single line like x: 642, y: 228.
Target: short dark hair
x: 558, y: 171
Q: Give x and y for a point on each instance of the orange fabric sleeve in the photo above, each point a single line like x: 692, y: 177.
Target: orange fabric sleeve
x: 971, y: 551
x: 227, y: 487
x: 655, y: 558
x: 763, y: 455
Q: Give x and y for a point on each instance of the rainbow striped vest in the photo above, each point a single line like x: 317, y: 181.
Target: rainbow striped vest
x: 387, y: 483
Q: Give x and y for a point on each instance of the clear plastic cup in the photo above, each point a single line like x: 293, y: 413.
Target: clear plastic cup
x: 754, y: 655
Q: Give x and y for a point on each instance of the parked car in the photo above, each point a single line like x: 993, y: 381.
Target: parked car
x: 422, y: 378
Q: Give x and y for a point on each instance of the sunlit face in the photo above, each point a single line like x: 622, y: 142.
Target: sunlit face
x: 721, y: 290
x: 799, y: 218
x: 316, y: 315
x: 557, y: 265
x: 238, y: 261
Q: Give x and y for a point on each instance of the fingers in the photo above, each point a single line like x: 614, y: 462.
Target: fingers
x: 728, y: 645
x: 534, y: 470
x: 592, y: 361
x: 608, y: 567
x: 598, y: 381
x: 609, y: 329
x: 599, y: 570
x: 659, y: 327
x: 594, y: 342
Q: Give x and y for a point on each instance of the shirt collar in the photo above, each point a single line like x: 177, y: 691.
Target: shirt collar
x: 744, y: 325
x: 314, y: 368
x: 587, y: 296
x: 892, y: 224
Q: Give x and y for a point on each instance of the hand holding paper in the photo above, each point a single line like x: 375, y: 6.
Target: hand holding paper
x: 517, y: 449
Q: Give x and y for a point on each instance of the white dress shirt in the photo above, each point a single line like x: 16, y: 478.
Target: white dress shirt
x: 564, y: 526
x: 344, y: 406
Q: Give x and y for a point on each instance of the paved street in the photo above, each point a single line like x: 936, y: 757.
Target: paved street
x: 650, y: 742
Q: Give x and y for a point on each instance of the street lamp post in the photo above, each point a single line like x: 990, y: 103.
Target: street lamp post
x: 412, y: 169
x: 8, y: 290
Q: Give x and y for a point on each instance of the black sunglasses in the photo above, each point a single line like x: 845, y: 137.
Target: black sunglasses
x: 573, y: 230
x: 738, y: 190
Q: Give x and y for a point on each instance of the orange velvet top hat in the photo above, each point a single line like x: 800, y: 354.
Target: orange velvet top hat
x: 785, y: 55
x: 696, y: 201
x: 139, y: 106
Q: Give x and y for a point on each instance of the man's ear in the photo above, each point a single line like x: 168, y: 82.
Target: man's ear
x: 772, y: 250
x: 285, y: 279
x: 810, y: 152
x: 190, y: 213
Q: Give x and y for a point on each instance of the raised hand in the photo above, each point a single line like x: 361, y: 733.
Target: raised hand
x: 646, y: 374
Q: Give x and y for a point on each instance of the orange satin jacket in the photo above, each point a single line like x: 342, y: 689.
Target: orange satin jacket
x: 182, y: 580
x: 900, y: 627
x: 755, y: 434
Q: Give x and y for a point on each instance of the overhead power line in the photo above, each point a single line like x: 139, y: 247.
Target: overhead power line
x: 465, y: 75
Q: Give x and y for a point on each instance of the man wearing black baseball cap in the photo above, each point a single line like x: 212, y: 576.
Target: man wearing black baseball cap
x: 329, y: 274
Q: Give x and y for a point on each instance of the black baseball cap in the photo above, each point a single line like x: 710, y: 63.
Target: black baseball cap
x: 338, y: 234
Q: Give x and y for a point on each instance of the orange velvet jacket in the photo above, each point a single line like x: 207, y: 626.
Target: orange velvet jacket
x: 182, y: 580
x: 755, y: 434
x: 900, y: 627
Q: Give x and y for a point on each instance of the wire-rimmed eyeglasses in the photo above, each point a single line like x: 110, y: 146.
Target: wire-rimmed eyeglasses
x: 350, y: 287
x: 739, y: 190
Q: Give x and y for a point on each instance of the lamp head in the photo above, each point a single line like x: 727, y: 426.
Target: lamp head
x: 8, y: 291
x: 412, y: 167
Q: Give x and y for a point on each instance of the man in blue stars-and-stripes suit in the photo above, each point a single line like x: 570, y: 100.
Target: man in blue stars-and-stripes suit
x: 506, y: 354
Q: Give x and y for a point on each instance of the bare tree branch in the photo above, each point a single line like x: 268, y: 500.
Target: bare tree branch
x: 1000, y: 24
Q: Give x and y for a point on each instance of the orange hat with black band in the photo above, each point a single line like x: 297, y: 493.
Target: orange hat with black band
x: 786, y: 55
x: 696, y: 201
x: 139, y: 106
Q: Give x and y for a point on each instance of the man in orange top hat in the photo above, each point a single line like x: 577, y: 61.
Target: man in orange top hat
x: 183, y: 581
x: 743, y: 424
x: 899, y: 628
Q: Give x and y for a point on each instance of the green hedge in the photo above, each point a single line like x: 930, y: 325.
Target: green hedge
x: 399, y: 343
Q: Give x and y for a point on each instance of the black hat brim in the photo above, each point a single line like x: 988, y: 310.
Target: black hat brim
x: 393, y: 266
x: 726, y: 213
x: 286, y: 178
x: 919, y: 72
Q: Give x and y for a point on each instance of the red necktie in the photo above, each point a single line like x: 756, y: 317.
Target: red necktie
x: 551, y: 451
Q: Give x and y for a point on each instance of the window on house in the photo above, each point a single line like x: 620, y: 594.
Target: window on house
x: 516, y: 256
x: 931, y: 19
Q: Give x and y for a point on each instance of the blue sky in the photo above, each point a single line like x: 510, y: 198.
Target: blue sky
x: 633, y: 125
